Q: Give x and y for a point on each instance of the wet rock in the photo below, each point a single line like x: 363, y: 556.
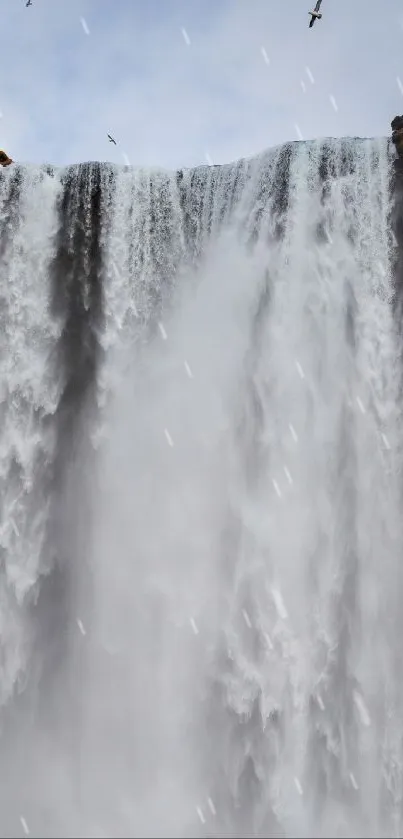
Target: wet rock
x: 397, y: 134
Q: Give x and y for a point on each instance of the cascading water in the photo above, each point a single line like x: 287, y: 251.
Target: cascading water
x: 201, y: 529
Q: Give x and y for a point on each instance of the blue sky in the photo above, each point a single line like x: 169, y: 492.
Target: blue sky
x: 169, y: 103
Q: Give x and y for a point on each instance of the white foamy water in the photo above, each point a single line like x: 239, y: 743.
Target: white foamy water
x: 238, y: 582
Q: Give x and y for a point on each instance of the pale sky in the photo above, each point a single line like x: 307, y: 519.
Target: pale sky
x: 169, y: 102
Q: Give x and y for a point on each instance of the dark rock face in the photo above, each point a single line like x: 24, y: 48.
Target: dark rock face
x: 397, y: 134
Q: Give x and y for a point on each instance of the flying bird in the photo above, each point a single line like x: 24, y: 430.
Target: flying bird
x: 28, y: 3
x: 316, y: 14
x: 111, y: 140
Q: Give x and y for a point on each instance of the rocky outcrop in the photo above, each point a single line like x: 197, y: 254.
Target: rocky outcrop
x: 397, y: 134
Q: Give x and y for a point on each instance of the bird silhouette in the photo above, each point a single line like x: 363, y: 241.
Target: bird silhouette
x: 315, y: 14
